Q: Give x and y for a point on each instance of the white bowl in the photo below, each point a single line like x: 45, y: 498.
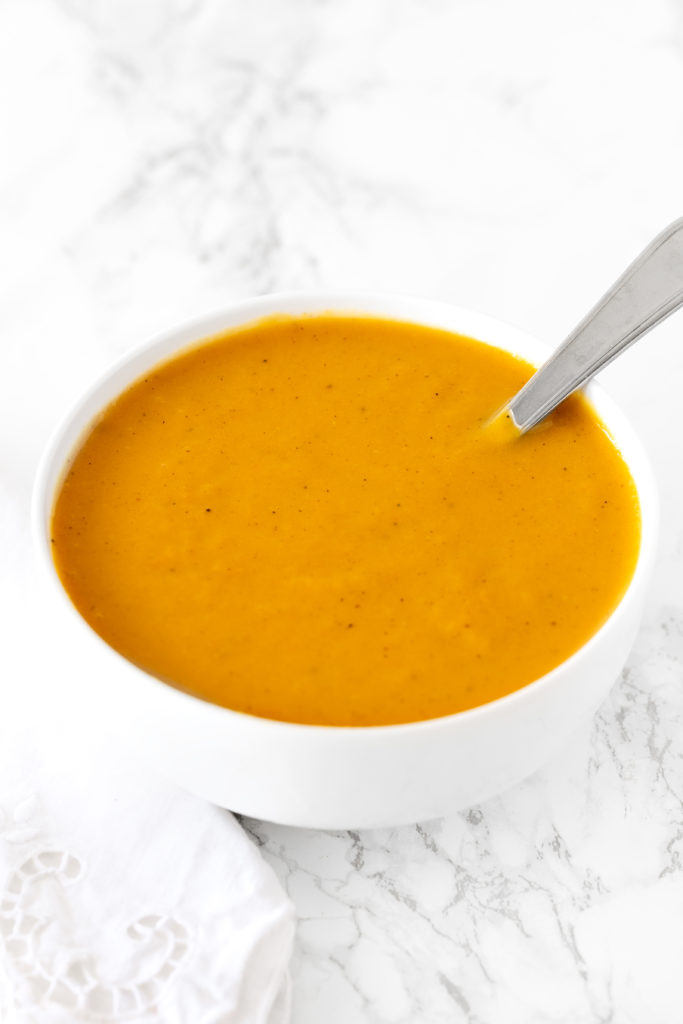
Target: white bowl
x: 333, y: 777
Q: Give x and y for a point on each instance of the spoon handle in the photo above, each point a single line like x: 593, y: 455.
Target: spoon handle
x: 647, y: 292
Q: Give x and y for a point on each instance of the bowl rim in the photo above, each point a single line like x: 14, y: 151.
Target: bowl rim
x: 55, y: 460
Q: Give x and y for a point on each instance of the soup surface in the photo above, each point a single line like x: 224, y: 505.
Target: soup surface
x: 311, y: 519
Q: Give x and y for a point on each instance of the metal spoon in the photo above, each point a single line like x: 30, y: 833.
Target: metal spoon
x: 647, y: 292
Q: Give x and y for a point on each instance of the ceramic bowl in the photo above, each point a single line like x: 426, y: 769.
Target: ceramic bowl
x: 331, y: 777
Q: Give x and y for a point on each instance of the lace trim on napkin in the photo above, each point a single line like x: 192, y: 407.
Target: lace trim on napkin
x: 30, y: 906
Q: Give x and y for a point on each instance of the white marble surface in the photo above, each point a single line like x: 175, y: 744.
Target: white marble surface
x: 159, y: 158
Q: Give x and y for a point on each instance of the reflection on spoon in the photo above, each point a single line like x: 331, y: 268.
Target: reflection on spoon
x: 647, y: 292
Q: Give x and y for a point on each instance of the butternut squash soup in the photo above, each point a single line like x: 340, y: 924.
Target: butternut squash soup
x: 313, y: 519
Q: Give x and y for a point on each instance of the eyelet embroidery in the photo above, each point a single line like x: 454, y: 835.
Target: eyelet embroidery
x: 73, y: 984
x: 17, y: 826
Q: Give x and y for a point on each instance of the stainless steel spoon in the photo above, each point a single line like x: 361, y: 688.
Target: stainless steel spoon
x: 650, y: 290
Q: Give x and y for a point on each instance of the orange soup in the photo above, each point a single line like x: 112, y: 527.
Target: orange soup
x: 311, y: 519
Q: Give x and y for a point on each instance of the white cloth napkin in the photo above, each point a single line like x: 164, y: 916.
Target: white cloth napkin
x: 122, y: 898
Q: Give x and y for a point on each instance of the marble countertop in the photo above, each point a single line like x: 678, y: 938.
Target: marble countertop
x: 162, y: 158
